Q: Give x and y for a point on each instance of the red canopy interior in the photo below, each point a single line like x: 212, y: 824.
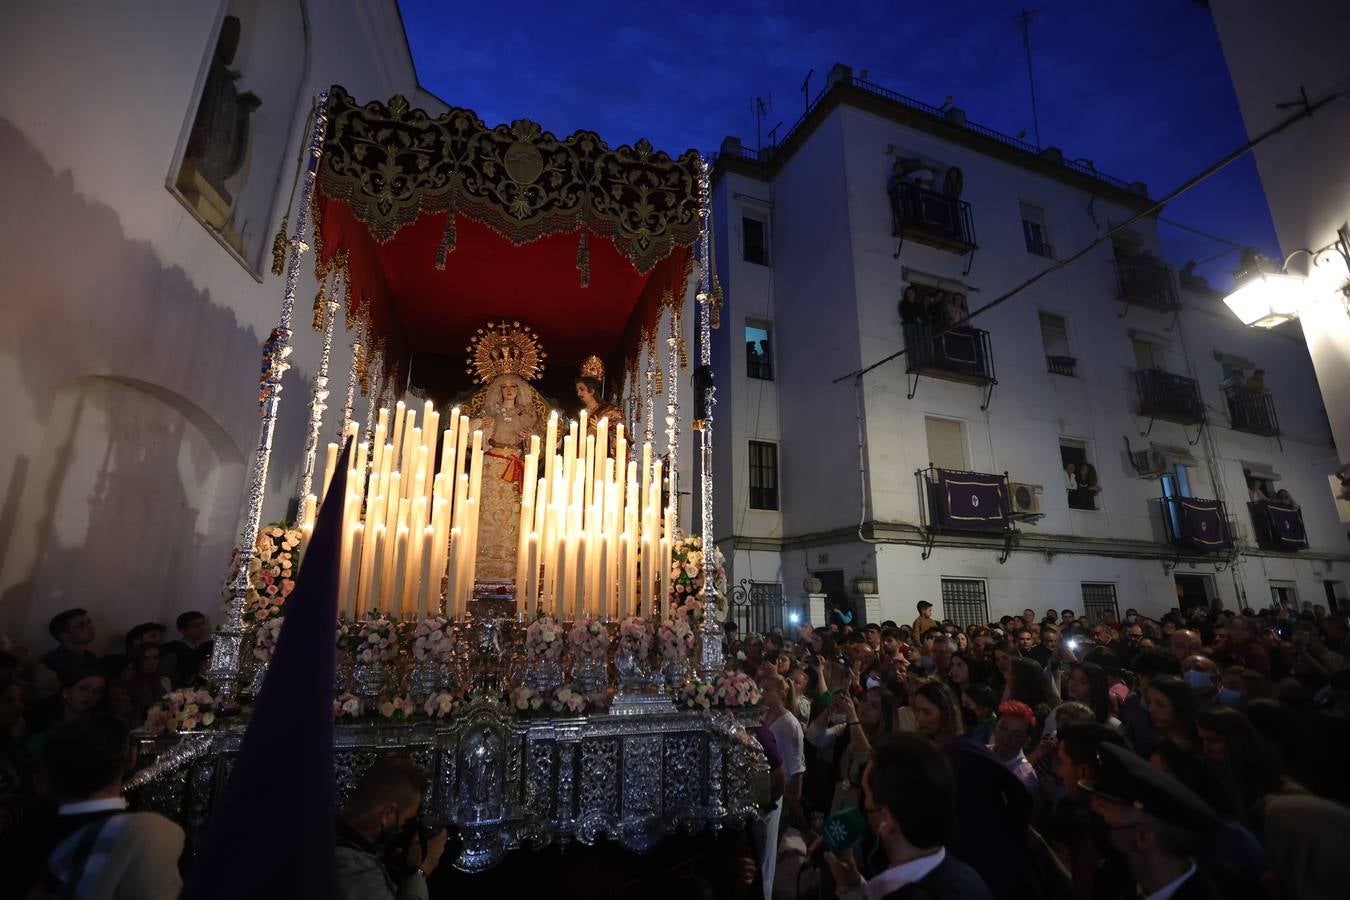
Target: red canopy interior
x: 392, y: 176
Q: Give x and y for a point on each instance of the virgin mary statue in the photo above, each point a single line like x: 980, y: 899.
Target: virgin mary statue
x: 509, y: 412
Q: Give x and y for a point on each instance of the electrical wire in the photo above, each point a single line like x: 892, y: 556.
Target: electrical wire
x: 1191, y: 182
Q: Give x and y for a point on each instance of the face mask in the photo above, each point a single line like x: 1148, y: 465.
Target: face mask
x: 873, y: 682
x: 1228, y: 697
x: 1199, y: 681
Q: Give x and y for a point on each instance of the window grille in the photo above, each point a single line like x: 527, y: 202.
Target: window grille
x: 757, y: 606
x: 964, y: 601
x: 1098, y: 600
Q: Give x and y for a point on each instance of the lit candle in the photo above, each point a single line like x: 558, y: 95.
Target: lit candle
x: 378, y: 551
x: 399, y: 597
x: 532, y: 577
x: 395, y: 435
x: 362, y: 454
x: 452, y: 599
x: 377, y: 443
x: 581, y: 598
x: 664, y: 563
x: 550, y: 443
x: 351, y: 586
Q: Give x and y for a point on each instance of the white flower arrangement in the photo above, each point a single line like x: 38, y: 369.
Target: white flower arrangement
x: 736, y: 689
x: 569, y: 701
x: 698, y: 695
x: 526, y: 699
x: 265, y: 638
x: 433, y: 639
x: 589, y: 638
x: 348, y: 706
x: 271, y: 572
x: 442, y: 705
x: 375, y: 640
x: 544, y: 638
x: 184, y: 710
x: 635, y: 635
x: 687, y: 574
x: 397, y: 708
x: 675, y: 639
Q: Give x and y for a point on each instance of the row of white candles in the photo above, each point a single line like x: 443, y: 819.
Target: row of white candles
x: 593, y: 536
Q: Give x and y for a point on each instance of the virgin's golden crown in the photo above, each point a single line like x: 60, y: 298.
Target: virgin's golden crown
x: 504, y: 348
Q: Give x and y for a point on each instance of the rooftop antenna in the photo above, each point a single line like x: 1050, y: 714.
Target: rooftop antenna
x: 760, y: 109
x: 806, y: 90
x: 1025, y: 19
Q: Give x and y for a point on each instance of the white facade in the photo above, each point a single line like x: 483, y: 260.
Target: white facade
x: 829, y: 297
x: 130, y: 334
x: 1274, y: 51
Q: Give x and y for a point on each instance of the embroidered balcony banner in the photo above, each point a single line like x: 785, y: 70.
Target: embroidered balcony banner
x: 1280, y: 526
x: 961, y: 348
x: 1203, y: 528
x: 972, y: 501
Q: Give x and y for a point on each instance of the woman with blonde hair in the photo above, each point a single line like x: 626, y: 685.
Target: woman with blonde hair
x: 779, y: 701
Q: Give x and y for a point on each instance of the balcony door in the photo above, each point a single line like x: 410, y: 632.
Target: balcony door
x: 1175, y: 484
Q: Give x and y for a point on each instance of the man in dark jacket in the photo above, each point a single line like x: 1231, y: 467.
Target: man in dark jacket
x: 381, y: 807
x: 909, y: 798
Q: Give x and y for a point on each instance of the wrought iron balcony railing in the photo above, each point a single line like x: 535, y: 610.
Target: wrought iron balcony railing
x: 1172, y: 398
x: 1252, y: 411
x: 931, y: 218
x: 1278, y: 526
x: 1145, y: 282
x: 1197, y: 526
x: 1061, y: 365
x: 957, y: 354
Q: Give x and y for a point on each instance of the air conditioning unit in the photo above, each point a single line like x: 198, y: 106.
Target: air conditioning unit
x: 1026, y: 498
x: 1148, y: 463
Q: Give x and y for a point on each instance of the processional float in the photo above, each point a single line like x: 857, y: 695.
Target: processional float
x: 520, y: 609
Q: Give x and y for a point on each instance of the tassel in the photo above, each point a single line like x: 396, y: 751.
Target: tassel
x: 584, y: 259
x: 716, y: 321
x: 448, y: 239
x: 683, y: 353
x: 279, y: 247
x: 319, y: 304
x: 362, y: 369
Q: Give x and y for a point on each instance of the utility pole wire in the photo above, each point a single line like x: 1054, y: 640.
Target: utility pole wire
x: 1306, y: 112
x: 1025, y: 19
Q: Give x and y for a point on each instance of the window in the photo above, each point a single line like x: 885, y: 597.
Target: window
x: 946, y: 443
x: 1033, y: 230
x: 964, y: 601
x: 757, y: 606
x: 1283, y: 592
x: 754, y: 246
x: 763, y: 475
x: 1055, y: 339
x: 1098, y: 600
x: 758, y: 354
x: 1175, y: 484
x: 1147, y: 354
x: 239, y: 137
x: 1080, y: 476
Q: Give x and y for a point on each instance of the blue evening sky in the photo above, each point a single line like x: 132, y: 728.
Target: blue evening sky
x: 1140, y: 86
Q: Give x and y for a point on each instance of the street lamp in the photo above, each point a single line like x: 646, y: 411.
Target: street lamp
x: 1265, y: 297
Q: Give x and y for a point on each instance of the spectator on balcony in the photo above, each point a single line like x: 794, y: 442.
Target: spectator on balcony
x: 1257, y: 381
x: 1071, y: 477
x: 1283, y: 496
x: 955, y: 309
x: 1087, y: 479
x: 1256, y: 488
x: 1236, y: 378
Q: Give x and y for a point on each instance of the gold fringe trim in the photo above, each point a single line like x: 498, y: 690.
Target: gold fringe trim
x: 320, y: 306
x: 449, y: 238
x: 584, y: 258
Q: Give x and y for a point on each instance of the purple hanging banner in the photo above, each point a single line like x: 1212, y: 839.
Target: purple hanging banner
x: 1202, y: 525
x: 1283, y: 526
x: 972, y: 500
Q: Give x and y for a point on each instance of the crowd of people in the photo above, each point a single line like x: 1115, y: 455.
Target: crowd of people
x: 66, y: 718
x: 1196, y: 755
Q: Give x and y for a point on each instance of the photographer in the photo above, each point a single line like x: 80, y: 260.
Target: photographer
x: 380, y: 852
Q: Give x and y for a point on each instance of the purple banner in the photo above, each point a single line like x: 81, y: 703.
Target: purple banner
x: 1202, y: 525
x: 972, y: 500
x: 1284, y: 525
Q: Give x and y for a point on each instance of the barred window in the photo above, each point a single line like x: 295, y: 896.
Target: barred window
x: 763, y: 475
x: 964, y: 601
x: 755, y: 247
x: 757, y: 606
x: 1098, y: 600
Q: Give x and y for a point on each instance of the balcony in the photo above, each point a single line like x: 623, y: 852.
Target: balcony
x: 931, y: 218
x: 1196, y: 526
x: 1061, y: 365
x: 1278, y: 526
x: 957, y: 354
x: 1143, y: 281
x: 956, y: 501
x: 1252, y: 411
x: 1172, y: 398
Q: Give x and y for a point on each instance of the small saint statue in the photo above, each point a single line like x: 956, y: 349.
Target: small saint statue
x: 590, y: 391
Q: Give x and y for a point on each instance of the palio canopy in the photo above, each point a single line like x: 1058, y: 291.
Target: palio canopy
x: 441, y: 224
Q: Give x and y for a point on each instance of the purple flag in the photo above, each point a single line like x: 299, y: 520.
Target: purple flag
x: 1203, y: 527
x: 272, y: 832
x: 972, y: 501
x: 1279, y: 526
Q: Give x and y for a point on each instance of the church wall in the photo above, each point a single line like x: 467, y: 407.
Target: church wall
x: 107, y: 275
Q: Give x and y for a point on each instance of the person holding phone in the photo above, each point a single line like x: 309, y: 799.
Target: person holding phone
x: 909, y: 801
x: 844, y: 734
